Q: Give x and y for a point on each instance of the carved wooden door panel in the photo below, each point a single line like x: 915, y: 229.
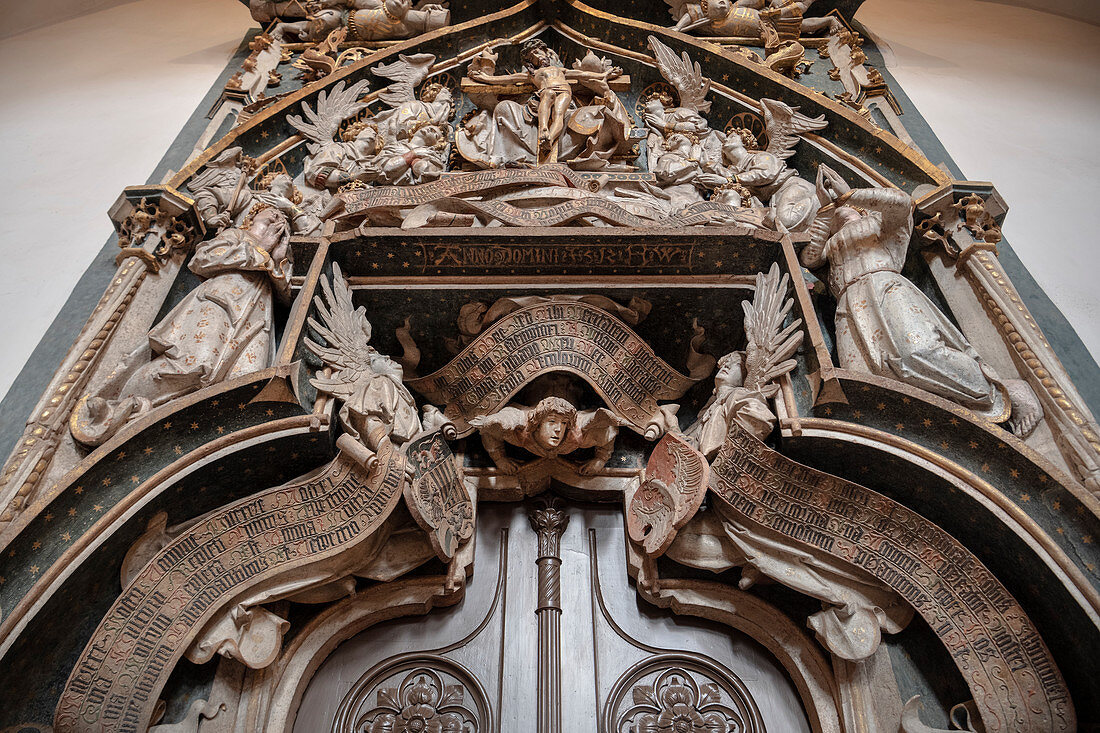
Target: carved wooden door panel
x: 488, y: 663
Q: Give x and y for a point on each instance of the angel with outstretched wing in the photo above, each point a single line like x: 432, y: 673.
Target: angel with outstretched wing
x: 552, y: 428
x: 765, y: 173
x: 685, y: 153
x: 376, y: 406
x: 333, y: 107
x: 747, y: 379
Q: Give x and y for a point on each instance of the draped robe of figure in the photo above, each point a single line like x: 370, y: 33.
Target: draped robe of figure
x: 222, y: 329
x: 884, y: 324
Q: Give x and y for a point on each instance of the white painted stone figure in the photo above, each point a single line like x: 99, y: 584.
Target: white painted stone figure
x: 222, y: 329
x: 365, y: 20
x: 747, y: 19
x: 884, y: 324
x: 765, y: 173
x: 583, y: 126
x: 747, y: 379
x: 403, y: 145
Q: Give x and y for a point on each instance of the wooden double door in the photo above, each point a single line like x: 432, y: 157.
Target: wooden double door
x: 569, y: 647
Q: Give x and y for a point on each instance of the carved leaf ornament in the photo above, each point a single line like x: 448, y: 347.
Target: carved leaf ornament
x: 677, y: 703
x: 423, y: 703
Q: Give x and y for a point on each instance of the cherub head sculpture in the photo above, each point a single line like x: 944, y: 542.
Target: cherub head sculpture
x: 716, y: 9
x: 550, y: 422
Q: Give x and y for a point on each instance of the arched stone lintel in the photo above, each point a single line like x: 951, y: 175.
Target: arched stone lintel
x: 808, y: 668
x: 277, y: 691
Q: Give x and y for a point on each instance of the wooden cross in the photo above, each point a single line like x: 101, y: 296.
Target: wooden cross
x: 469, y: 86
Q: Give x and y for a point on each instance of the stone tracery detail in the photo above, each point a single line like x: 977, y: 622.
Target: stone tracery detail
x: 692, y: 698
x: 423, y: 702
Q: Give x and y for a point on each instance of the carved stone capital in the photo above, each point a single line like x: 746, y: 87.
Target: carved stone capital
x: 964, y: 217
x: 152, y: 221
x: 549, y: 521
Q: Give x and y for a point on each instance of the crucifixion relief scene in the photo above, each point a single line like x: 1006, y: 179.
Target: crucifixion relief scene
x: 555, y: 366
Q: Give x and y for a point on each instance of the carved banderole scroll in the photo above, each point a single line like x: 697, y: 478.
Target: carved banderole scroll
x: 251, y: 544
x: 996, y: 647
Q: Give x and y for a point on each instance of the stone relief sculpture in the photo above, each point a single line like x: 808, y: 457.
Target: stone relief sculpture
x: 743, y: 19
x: 884, y: 324
x: 404, y: 145
x: 857, y: 608
x: 746, y: 380
x: 792, y: 200
x: 786, y: 57
x: 222, y: 329
x: 510, y: 137
x: 690, y: 159
x: 552, y: 428
x: 365, y: 20
x: 223, y: 196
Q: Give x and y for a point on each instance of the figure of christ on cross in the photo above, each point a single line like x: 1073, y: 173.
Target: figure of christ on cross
x: 551, y: 80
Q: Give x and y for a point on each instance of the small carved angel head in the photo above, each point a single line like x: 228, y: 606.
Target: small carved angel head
x: 271, y: 227
x: 551, y: 421
x: 362, y: 130
x: 321, y: 23
x: 716, y: 9
x: 678, y: 142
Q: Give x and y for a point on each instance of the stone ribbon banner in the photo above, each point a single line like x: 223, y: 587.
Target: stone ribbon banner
x: 1009, y: 669
x: 117, y: 681
x: 400, y: 197
x: 548, y: 216
x: 559, y: 336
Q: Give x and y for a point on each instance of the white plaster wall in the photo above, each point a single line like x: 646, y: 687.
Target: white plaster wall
x: 93, y: 103
x: 90, y: 105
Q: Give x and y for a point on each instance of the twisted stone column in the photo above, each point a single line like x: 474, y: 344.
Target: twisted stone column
x: 549, y: 521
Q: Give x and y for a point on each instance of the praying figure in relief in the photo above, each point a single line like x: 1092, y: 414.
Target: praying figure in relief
x: 222, y: 329
x: 885, y: 325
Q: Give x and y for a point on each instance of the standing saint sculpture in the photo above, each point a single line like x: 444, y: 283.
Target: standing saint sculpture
x: 222, y: 329
x: 884, y: 324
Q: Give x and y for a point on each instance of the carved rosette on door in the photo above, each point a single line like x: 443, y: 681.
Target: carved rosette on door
x: 415, y: 694
x: 679, y: 693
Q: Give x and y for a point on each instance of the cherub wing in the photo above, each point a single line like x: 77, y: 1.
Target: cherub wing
x: 596, y: 427
x: 784, y: 124
x: 215, y: 169
x: 770, y: 345
x: 346, y: 332
x: 504, y: 424
x: 333, y: 107
x: 405, y: 73
x: 683, y: 74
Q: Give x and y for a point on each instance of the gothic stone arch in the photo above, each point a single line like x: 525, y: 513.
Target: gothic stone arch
x: 551, y: 249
